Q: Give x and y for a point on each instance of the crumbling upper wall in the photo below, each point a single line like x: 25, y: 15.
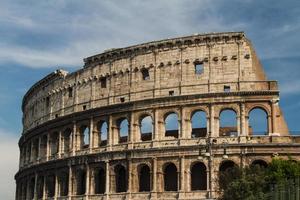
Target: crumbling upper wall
x: 228, y: 63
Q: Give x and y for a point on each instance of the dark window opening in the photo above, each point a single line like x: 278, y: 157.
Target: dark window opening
x: 47, y: 102
x: 145, y: 73
x: 81, y: 180
x: 40, y: 187
x: 226, y: 88
x: 171, y: 93
x: 121, y: 179
x: 70, y: 92
x: 64, y: 184
x: 103, y: 82
x: 50, y: 186
x: 56, y: 115
x: 199, y: 68
x: 84, y: 107
x: 100, y: 181
x: 259, y: 163
x: 122, y: 99
x: 144, y: 179
x: 170, y: 178
x: 199, y: 177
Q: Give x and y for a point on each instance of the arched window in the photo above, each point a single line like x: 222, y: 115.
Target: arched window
x: 258, y: 122
x: 99, y: 181
x: 170, y: 177
x: 40, y: 186
x: 54, y: 143
x: 145, y: 74
x: 228, y: 124
x: 123, y: 127
x: 66, y: 140
x: 31, y: 188
x: 227, y: 171
x: 80, y: 182
x: 146, y: 128
x: 50, y: 185
x: 260, y: 163
x: 171, y: 125
x: 64, y: 183
x: 85, y: 136
x: 198, y: 176
x: 199, y: 128
x: 144, y: 178
x: 121, y: 178
x: 103, y: 132
x: 43, y: 147
x: 35, y: 149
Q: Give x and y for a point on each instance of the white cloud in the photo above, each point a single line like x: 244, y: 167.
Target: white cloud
x: 9, y: 155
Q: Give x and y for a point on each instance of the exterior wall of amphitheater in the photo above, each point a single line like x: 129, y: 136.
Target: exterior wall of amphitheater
x: 153, y: 79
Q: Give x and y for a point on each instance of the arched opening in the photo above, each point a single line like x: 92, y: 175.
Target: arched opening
x: 121, y: 178
x: 259, y: 163
x: 228, y: 170
x: 198, y: 176
x: 28, y: 152
x: 64, y: 184
x: 35, y: 149
x: 123, y: 127
x: 144, y: 178
x: 199, y: 124
x: 99, y: 179
x: 171, y: 125
x: 146, y: 128
x: 50, y: 185
x: 258, y: 122
x: 66, y: 140
x: 170, y: 177
x: 40, y: 186
x: 54, y: 143
x: 85, y: 136
x: 43, y: 147
x: 81, y: 182
x: 228, y: 123
x: 103, y: 133
x: 31, y: 188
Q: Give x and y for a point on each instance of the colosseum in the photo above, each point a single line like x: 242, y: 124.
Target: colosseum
x: 149, y: 122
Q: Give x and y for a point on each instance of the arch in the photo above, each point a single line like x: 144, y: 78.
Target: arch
x: 43, y: 147
x: 123, y: 127
x: 50, y: 185
x: 198, y: 176
x: 121, y: 178
x: 64, y: 183
x: 102, y: 128
x: 199, y: 124
x: 54, y: 140
x: 146, y: 128
x: 228, y: 170
x: 81, y: 182
x: 66, y: 137
x: 85, y: 136
x: 228, y: 122
x: 35, y: 149
x: 258, y: 121
x: 99, y: 181
x: 170, y: 177
x: 227, y: 165
x: 40, y: 186
x: 144, y: 178
x: 171, y: 124
x: 260, y: 163
x: 31, y: 188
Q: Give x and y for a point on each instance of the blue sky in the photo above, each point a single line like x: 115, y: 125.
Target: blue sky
x: 38, y: 37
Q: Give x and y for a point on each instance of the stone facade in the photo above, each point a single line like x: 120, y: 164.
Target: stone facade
x: 83, y: 132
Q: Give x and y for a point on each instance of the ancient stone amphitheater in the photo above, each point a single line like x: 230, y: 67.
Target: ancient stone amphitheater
x: 145, y: 122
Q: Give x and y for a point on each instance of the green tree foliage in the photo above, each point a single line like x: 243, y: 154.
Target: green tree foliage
x: 254, y: 182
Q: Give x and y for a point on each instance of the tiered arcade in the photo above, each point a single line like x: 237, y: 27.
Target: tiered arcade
x: 145, y: 122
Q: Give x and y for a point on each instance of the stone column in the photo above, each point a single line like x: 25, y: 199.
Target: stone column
x: 181, y: 122
x: 110, y: 132
x: 273, y: 125
x: 74, y: 141
x: 156, y: 126
x: 56, y: 192
x: 213, y: 131
x: 182, y: 172
x: 44, y: 187
x: 130, y: 176
x: 154, y: 175
x: 35, y: 186
x: 107, y: 175
x: 60, y: 144
x: 70, y: 184
x: 132, y: 129
x: 39, y: 149
x: 91, y: 135
x: 87, y: 181
x: 243, y: 120
x: 48, y: 147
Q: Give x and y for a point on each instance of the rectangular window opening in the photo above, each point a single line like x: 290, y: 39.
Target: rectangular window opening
x: 171, y: 93
x: 84, y: 107
x: 70, y: 92
x: 122, y: 99
x: 226, y: 88
x: 199, y: 68
x: 103, y: 82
